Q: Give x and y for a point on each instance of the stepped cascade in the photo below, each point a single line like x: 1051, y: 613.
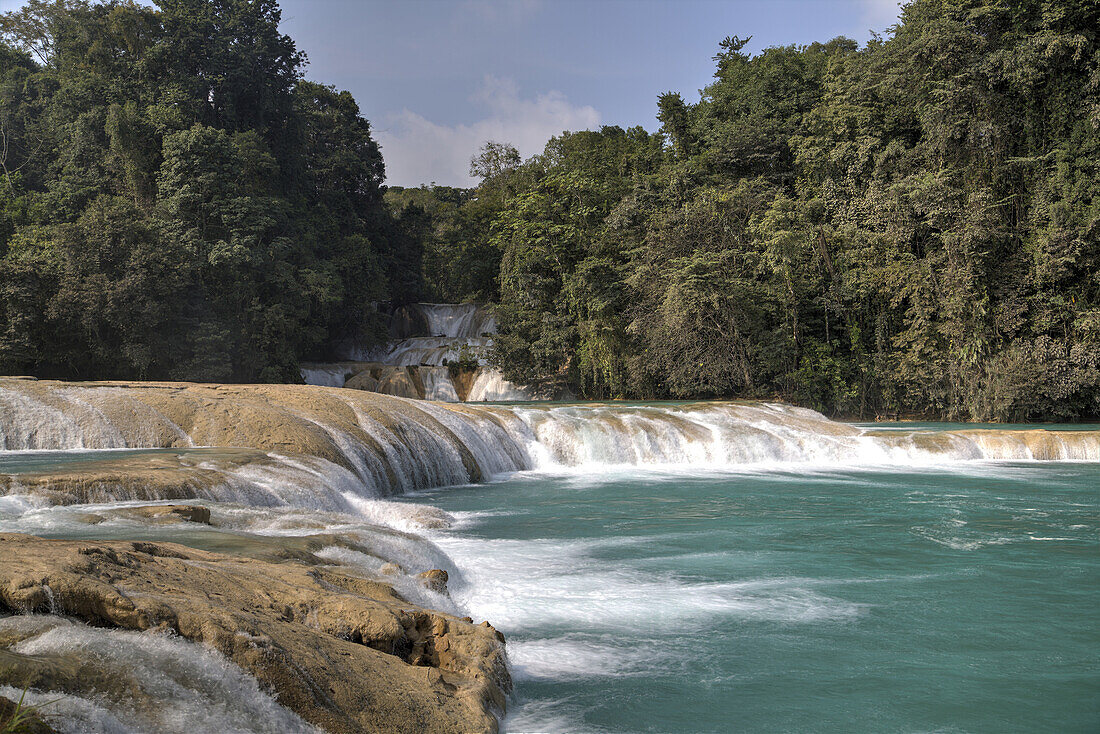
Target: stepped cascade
x: 255, y: 522
x: 436, y: 353
x: 275, y: 445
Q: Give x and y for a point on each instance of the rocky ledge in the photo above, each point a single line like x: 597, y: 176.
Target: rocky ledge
x: 344, y: 652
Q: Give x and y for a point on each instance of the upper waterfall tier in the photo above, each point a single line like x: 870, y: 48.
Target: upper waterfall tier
x: 433, y: 351
x: 426, y: 338
x: 457, y: 320
x: 381, y: 445
x: 427, y: 333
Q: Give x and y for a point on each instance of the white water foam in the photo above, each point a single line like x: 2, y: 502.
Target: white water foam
x: 580, y: 655
x: 533, y: 584
x: 430, y: 445
x: 548, y: 716
x: 182, y: 687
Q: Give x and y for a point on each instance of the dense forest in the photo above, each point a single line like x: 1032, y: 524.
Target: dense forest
x: 910, y: 227
x: 177, y: 200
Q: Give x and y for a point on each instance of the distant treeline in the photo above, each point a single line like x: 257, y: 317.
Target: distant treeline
x: 912, y: 227
x: 177, y: 201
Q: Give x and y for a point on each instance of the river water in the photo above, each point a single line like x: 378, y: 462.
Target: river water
x: 844, y: 599
x: 655, y: 568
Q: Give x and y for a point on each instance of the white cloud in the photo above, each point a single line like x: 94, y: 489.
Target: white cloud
x: 418, y: 150
x: 878, y: 15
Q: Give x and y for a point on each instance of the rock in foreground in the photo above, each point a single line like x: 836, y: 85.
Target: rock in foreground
x: 343, y: 652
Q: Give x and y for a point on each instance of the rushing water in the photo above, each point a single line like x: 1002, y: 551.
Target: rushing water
x: 429, y: 335
x: 664, y: 567
x: 960, y: 598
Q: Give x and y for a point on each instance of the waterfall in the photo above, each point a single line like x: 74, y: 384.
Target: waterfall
x: 457, y: 321
x: 438, y: 385
x: 318, y: 446
x: 428, y: 336
x: 432, y: 350
x: 490, y: 386
x: 329, y: 374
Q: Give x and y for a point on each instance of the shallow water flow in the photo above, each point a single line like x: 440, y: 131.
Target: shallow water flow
x: 669, y: 567
x: 957, y: 599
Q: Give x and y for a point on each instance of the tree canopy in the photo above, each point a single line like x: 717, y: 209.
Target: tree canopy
x: 177, y: 200
x: 909, y: 227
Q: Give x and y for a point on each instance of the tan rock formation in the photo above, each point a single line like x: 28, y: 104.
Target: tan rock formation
x: 328, y: 423
x: 403, y: 382
x: 463, y: 379
x: 436, y: 580
x: 364, y: 380
x: 170, y: 513
x: 344, y: 652
x: 166, y: 476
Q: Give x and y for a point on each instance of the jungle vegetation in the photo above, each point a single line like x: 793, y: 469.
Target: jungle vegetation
x: 178, y: 201
x: 911, y: 227
x: 908, y: 227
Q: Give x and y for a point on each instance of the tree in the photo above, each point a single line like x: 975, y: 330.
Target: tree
x: 494, y: 160
x: 177, y: 202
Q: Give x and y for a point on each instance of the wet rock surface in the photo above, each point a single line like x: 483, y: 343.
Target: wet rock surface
x: 344, y: 652
x: 436, y: 580
x: 338, y: 426
x: 31, y: 723
x: 171, y: 513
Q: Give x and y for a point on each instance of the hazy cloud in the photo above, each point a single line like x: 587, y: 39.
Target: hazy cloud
x: 878, y: 15
x: 418, y: 150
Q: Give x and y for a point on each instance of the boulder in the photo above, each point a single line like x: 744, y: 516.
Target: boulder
x: 436, y: 580
x: 345, y: 653
x: 170, y: 513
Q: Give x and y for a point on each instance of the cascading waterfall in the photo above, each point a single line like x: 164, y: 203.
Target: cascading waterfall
x: 414, y: 365
x: 457, y: 321
x: 430, y: 350
x: 328, y: 374
x: 373, y: 445
x: 438, y: 385
x: 290, y: 470
x: 490, y: 386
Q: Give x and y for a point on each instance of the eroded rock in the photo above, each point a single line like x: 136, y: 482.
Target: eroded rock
x: 343, y: 652
x: 170, y: 513
x: 436, y: 580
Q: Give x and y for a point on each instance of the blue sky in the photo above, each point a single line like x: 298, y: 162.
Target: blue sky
x: 436, y: 78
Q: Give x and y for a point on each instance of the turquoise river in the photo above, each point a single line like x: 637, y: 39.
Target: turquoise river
x: 657, y: 568
x: 878, y: 599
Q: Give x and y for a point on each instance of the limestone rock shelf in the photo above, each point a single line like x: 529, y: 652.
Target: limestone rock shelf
x: 344, y: 652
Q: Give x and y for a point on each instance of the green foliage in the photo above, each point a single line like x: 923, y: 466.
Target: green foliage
x: 176, y: 201
x: 21, y: 718
x: 911, y: 227
x: 452, y: 228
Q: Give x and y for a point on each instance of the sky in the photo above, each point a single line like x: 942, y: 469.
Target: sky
x: 437, y: 78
